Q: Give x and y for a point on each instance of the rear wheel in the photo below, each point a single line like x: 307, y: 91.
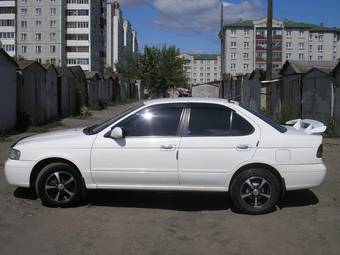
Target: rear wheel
x: 59, y: 185
x: 255, y: 191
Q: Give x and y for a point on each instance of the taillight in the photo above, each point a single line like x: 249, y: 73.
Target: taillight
x: 319, y: 152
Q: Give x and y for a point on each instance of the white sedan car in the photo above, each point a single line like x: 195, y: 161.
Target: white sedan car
x: 174, y: 144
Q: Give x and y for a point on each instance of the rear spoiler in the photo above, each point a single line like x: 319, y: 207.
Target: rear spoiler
x: 310, y: 126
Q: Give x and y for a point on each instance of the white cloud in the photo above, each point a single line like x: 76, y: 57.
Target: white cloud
x: 203, y: 15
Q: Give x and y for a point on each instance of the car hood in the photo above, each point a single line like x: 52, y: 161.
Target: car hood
x: 69, y: 138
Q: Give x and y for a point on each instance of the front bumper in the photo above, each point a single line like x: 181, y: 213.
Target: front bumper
x: 303, y: 176
x: 18, y: 172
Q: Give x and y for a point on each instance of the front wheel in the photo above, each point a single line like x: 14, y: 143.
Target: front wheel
x: 255, y: 191
x: 59, y: 185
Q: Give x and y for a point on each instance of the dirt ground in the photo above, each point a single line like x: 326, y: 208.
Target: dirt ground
x: 136, y: 222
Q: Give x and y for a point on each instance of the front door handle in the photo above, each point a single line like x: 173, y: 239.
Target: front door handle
x: 243, y: 147
x: 168, y: 147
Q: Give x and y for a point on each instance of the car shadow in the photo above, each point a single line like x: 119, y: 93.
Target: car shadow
x: 298, y: 198
x: 170, y: 200
x: 173, y: 200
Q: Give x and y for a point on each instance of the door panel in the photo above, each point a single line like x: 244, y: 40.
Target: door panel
x: 134, y: 161
x: 146, y: 156
x: 215, y: 141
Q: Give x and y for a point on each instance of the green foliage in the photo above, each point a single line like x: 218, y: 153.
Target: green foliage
x: 85, y: 112
x: 285, y: 115
x: 159, y: 68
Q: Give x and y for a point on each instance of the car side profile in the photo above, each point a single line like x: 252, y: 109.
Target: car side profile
x: 192, y: 144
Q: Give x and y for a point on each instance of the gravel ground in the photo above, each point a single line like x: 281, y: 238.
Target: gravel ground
x: 136, y: 222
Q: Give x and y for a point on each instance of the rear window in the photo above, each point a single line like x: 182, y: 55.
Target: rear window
x: 266, y: 119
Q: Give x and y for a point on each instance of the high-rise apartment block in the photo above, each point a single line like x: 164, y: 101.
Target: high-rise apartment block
x: 202, y: 68
x: 244, y: 44
x: 7, y: 26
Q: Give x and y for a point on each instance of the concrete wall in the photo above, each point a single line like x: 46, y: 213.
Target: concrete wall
x: 8, y: 96
x: 205, y: 90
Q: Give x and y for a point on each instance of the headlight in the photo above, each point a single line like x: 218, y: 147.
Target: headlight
x: 15, y: 154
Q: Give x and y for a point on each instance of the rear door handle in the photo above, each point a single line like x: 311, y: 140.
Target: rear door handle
x: 243, y: 147
x: 168, y: 147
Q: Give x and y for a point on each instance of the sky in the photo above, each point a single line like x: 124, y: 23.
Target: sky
x: 193, y: 25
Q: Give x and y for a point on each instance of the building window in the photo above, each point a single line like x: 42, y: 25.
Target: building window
x: 53, y: 11
x: 233, y: 33
x: 310, y: 47
x: 301, y: 56
x: 289, y: 33
x: 246, y: 67
x: 302, y: 34
x: 23, y: 12
x: 245, y: 55
x: 38, y: 11
x: 52, y: 36
x: 38, y: 23
x: 23, y: 37
x: 288, y: 55
x: 320, y: 58
x: 289, y: 45
x: 38, y: 49
x: 233, y: 67
x: 301, y: 45
x: 233, y: 55
x: 246, y: 33
x: 320, y: 48
x: 320, y: 37
x: 23, y: 24
x: 24, y: 49
x: 233, y: 45
x: 246, y: 45
x: 53, y: 23
x: 52, y: 48
x: 38, y: 36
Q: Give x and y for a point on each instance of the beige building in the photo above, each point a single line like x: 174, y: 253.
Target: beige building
x: 7, y: 26
x: 202, y: 68
x: 244, y: 44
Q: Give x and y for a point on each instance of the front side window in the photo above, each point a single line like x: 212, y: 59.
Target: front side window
x: 153, y: 122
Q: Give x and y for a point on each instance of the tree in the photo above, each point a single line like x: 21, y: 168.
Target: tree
x: 159, y: 68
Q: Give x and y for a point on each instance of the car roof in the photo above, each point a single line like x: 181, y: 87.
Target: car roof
x: 189, y: 100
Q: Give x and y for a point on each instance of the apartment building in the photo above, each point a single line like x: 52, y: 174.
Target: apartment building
x: 121, y: 39
x: 84, y: 37
x: 244, y: 44
x: 7, y: 26
x: 61, y: 32
x: 202, y: 68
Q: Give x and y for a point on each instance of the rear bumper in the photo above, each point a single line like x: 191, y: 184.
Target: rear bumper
x: 303, y: 176
x: 18, y: 172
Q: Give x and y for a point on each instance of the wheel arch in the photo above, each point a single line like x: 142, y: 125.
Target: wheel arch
x: 270, y: 168
x: 41, y: 164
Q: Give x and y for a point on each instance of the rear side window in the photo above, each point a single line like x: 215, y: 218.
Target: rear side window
x: 209, y: 122
x: 217, y: 121
x: 153, y: 122
x: 240, y: 127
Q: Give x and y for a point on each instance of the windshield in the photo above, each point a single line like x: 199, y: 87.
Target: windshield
x: 95, y: 129
x: 266, y: 119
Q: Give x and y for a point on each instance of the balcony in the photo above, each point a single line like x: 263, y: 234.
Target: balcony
x: 260, y: 59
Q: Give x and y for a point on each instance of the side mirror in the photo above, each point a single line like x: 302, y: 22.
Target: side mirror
x: 117, y: 133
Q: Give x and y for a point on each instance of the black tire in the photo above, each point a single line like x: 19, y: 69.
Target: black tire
x: 255, y: 191
x: 59, y: 185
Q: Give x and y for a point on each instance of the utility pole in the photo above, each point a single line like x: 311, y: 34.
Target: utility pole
x: 222, y: 38
x: 269, y: 73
